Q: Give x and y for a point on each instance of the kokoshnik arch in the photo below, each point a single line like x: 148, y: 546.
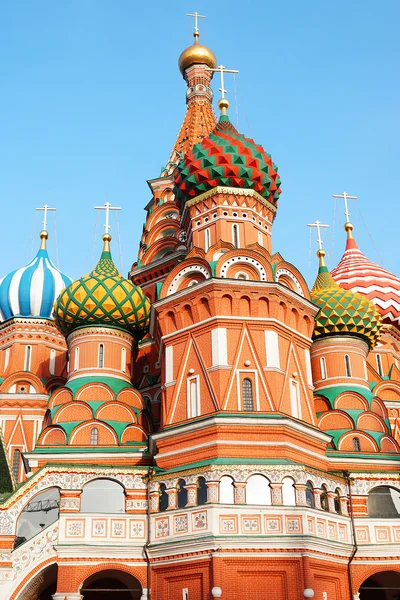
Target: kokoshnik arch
x: 207, y: 427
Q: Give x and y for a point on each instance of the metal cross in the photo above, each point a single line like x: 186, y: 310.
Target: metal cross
x: 196, y: 17
x: 45, y: 211
x: 221, y: 70
x: 107, y: 207
x: 318, y: 225
x: 345, y: 197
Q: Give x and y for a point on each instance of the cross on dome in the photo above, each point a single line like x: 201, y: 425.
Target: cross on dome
x: 318, y: 226
x: 223, y: 104
x: 107, y: 207
x: 196, y: 17
x: 345, y: 197
x: 45, y: 210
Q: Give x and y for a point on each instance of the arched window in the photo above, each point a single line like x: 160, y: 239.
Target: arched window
x: 347, y: 365
x: 258, y: 490
x: 260, y: 238
x: 123, y: 360
x: 163, y: 498
x: 324, y: 499
x: 379, y: 364
x: 201, y: 491
x: 338, y: 506
x: 76, y: 359
x: 235, y: 235
x: 182, y: 494
x: 356, y: 444
x: 384, y: 503
x: 52, y: 364
x: 310, y: 500
x: 247, y: 394
x: 226, y: 491
x: 94, y: 436
x: 207, y: 239
x: 40, y: 512
x: 101, y: 356
x: 322, y: 363
x: 288, y: 492
x: 6, y: 358
x: 103, y: 496
x: 15, y: 463
x: 28, y: 356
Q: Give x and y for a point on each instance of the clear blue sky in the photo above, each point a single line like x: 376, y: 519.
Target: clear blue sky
x: 91, y: 101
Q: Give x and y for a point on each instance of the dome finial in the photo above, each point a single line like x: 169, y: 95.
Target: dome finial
x: 223, y: 103
x: 320, y: 253
x: 44, y: 236
x: 196, y: 54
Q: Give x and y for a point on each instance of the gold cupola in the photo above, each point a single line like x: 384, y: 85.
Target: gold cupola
x: 196, y: 54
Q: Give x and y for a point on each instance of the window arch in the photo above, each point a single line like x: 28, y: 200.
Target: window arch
x: 101, y: 356
x: 384, y: 502
x: 16, y: 463
x: 322, y: 363
x: 226, y: 491
x: 356, y: 444
x: 347, y: 365
x: 103, y: 496
x: 338, y: 506
x: 182, y: 493
x: 258, y: 490
x: 201, y: 491
x: 247, y: 394
x: 123, y: 360
x: 163, y: 502
x: 324, y: 499
x: 40, y: 512
x: 76, y: 359
x: 94, y: 436
x: 288, y: 492
x: 235, y: 235
x: 379, y: 365
x: 52, y: 364
x: 207, y: 239
x: 28, y: 357
x: 310, y: 500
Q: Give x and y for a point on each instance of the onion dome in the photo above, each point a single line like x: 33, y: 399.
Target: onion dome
x: 355, y: 272
x: 31, y: 291
x: 103, y: 298
x: 196, y: 55
x: 227, y: 158
x: 342, y: 311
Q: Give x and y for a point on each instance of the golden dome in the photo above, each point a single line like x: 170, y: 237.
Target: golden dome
x: 196, y: 54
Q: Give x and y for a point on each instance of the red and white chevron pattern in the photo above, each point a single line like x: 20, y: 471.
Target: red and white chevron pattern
x: 355, y: 272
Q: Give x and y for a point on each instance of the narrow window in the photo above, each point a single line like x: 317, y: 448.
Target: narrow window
x: 310, y: 500
x: 201, y: 491
x: 52, y: 365
x: 6, y: 359
x: 247, y: 391
x: 101, y: 356
x: 338, y: 507
x: 295, y: 399
x: 235, y: 235
x: 323, y: 367
x: 348, y: 365
x: 76, y: 359
x: 379, y: 364
x: 207, y: 239
x: 15, y: 465
x: 94, y: 436
x: 123, y: 360
x: 182, y: 493
x: 28, y: 355
x: 260, y: 238
x: 163, y: 504
x: 194, y: 404
x: 356, y: 444
x: 324, y: 499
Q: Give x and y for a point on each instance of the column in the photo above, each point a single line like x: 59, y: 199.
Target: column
x: 172, y: 498
x: 240, y: 492
x: 70, y: 500
x: 67, y: 596
x: 300, y: 490
x: 344, y: 505
x: 276, y: 494
x: 192, y: 494
x: 136, y: 500
x: 212, y: 491
x: 317, y: 497
x: 331, y: 501
x: 154, y: 501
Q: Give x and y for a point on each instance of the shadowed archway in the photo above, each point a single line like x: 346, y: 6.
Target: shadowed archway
x: 384, y: 585
x: 111, y: 584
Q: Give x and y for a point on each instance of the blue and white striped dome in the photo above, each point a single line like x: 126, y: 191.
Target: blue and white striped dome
x: 32, y: 290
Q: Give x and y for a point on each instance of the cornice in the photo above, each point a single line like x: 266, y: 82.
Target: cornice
x: 228, y: 190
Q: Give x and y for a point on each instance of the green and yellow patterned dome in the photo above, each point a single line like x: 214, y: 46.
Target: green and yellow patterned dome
x: 342, y: 311
x: 103, y: 298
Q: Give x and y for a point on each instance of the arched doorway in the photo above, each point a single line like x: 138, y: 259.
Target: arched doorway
x: 381, y: 586
x: 111, y: 584
x: 42, y: 586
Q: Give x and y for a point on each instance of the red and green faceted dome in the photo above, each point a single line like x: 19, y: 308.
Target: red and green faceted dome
x: 227, y: 158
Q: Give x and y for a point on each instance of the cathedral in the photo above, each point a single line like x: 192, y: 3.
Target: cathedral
x: 207, y: 426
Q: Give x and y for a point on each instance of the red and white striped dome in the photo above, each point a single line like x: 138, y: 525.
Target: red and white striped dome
x: 355, y: 272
